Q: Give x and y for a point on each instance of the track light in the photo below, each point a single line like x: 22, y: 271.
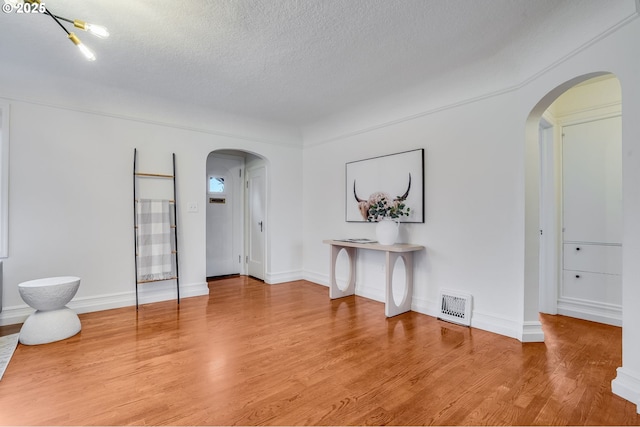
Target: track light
x: 35, y: 6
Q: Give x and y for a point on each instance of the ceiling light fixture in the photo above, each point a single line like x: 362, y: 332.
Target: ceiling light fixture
x: 35, y: 6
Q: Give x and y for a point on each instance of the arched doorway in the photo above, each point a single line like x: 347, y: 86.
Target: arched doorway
x: 544, y: 270
x: 235, y: 214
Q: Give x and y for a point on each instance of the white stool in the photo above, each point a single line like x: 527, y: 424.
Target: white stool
x: 52, y: 320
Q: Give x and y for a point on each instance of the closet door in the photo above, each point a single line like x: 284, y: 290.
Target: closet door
x: 592, y: 215
x: 592, y: 181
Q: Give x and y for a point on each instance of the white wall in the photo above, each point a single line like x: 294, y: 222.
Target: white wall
x: 482, y: 176
x: 472, y: 221
x: 71, y: 207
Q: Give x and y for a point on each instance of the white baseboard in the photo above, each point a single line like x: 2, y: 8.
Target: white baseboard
x: 531, y: 332
x: 283, y: 277
x: 627, y: 385
x: 370, y: 293
x: 156, y: 293
x: 602, y: 313
x: 361, y: 290
x: 319, y: 278
x: 525, y: 332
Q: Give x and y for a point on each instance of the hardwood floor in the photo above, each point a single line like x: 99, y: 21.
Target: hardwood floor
x: 254, y: 354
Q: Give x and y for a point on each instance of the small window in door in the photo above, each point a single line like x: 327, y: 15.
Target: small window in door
x: 216, y: 184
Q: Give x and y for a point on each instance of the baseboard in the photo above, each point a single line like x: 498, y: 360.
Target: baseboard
x: 525, y: 332
x: 166, y: 291
x: 602, y: 313
x: 531, y: 332
x: 158, y: 292
x: 497, y: 324
x: 423, y: 306
x: 283, y: 277
x: 522, y: 331
x: 320, y: 279
x: 14, y: 315
x: 627, y: 386
x: 370, y: 293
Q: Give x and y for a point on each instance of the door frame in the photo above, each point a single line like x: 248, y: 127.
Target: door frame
x: 550, y: 259
x: 251, y: 161
x: 549, y: 230
x: 238, y: 198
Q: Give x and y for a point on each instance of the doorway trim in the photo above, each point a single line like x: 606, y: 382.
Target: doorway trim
x: 549, y: 233
x: 531, y: 326
x: 251, y: 160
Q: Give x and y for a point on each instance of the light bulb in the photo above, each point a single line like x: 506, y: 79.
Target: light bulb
x: 85, y: 50
x: 96, y: 30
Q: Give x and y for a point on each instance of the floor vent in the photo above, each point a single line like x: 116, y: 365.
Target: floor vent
x: 455, y: 307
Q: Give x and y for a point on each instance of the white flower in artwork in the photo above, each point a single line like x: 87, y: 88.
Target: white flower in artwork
x: 380, y: 205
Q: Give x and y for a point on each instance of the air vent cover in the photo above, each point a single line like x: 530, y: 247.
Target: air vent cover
x: 455, y: 307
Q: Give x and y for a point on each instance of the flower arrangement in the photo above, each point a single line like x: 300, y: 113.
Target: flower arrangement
x: 381, y: 206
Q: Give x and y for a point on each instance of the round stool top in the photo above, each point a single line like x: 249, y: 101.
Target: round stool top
x: 49, y: 281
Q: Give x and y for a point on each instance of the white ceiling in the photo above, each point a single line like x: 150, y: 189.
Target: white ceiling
x: 290, y: 61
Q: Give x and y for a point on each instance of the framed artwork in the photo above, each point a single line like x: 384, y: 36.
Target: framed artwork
x: 400, y: 176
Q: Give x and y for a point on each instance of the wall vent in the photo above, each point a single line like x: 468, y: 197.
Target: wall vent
x: 455, y: 307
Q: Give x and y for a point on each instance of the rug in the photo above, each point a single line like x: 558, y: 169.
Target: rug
x: 8, y: 345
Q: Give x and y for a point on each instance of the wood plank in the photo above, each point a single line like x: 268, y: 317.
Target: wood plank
x: 255, y: 354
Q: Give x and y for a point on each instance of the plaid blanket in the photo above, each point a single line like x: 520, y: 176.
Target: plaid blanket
x: 154, y: 240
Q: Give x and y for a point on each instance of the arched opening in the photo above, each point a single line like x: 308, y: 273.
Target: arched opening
x: 557, y: 281
x: 236, y: 214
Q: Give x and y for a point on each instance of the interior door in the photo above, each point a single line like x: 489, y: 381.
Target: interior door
x: 592, y: 181
x: 257, y: 222
x: 224, y: 214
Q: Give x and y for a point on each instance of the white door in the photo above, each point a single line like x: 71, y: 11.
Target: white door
x: 256, y: 222
x: 592, y: 181
x: 592, y: 218
x: 224, y: 214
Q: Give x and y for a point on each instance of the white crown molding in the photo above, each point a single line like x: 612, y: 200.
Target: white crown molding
x: 207, y: 131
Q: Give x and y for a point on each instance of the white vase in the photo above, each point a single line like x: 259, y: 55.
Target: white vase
x: 387, y: 231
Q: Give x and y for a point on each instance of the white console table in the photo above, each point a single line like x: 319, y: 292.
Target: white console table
x: 392, y: 253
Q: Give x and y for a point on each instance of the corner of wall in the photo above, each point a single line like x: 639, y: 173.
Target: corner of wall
x: 627, y: 385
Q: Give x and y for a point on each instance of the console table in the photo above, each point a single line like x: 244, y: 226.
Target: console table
x: 392, y: 253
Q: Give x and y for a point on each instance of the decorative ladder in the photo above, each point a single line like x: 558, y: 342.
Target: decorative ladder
x: 174, y: 227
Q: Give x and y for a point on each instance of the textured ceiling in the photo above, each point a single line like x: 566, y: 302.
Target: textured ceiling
x: 289, y: 61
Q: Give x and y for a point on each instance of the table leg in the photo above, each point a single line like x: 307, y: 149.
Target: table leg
x: 390, y: 307
x: 334, y: 290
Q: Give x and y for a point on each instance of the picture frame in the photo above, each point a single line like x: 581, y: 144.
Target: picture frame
x: 400, y: 175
